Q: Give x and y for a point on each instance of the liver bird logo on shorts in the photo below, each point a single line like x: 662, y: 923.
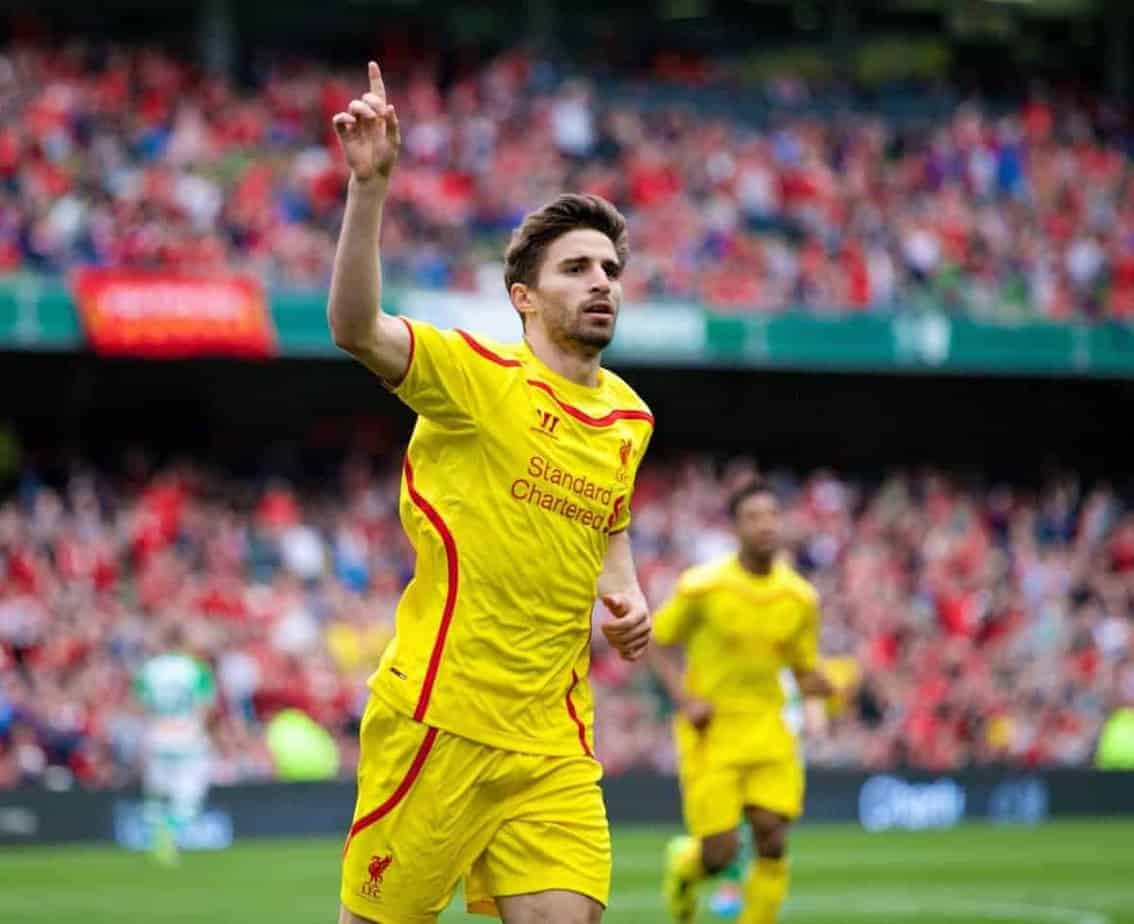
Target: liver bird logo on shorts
x: 377, y: 869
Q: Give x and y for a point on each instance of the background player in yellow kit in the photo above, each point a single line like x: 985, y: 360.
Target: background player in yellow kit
x: 476, y: 744
x: 740, y: 620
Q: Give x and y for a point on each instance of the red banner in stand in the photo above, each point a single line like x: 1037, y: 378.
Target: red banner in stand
x: 169, y: 316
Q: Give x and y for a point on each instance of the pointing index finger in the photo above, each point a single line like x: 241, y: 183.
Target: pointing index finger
x: 377, y: 87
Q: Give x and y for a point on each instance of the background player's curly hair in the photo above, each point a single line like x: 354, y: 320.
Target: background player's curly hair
x: 747, y: 490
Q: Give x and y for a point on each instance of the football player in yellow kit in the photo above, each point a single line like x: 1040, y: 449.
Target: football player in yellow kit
x: 740, y: 620
x: 476, y: 745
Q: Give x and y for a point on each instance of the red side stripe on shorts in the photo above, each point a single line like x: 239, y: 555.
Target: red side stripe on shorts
x: 605, y: 421
x: 398, y: 794
x: 451, y: 561
x: 575, y: 716
x: 484, y: 351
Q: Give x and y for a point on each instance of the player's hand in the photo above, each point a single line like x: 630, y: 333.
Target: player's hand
x: 629, y: 631
x: 698, y: 712
x: 816, y: 722
x: 368, y: 132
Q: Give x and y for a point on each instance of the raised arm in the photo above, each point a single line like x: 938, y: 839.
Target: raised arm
x: 370, y: 138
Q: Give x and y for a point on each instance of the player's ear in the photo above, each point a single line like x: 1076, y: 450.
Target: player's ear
x: 521, y: 297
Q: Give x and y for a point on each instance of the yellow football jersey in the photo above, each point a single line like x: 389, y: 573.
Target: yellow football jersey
x: 513, y: 482
x: 739, y: 630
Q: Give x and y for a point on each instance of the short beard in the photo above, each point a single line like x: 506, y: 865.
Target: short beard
x: 593, y: 340
x: 575, y: 336
x: 577, y: 339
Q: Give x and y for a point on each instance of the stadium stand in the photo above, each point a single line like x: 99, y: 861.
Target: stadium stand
x: 128, y: 156
x: 993, y: 625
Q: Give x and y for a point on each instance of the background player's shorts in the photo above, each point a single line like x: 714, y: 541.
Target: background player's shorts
x: 713, y: 800
x: 179, y: 779
x: 720, y: 774
x: 434, y: 807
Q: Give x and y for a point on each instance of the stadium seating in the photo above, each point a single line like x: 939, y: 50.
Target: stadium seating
x: 128, y: 157
x: 991, y: 623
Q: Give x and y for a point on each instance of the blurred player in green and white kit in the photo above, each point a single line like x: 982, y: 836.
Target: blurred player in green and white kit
x: 177, y: 691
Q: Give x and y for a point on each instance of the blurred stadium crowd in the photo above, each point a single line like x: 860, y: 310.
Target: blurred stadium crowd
x: 129, y: 157
x: 989, y: 624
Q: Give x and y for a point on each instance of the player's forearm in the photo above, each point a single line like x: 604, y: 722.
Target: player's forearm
x: 356, y: 279
x: 665, y: 668
x: 618, y: 573
x: 815, y: 684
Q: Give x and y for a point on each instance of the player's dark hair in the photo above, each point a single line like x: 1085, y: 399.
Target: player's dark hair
x: 747, y: 490
x: 568, y: 212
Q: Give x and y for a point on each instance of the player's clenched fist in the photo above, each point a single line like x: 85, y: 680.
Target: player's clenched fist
x: 368, y: 132
x: 629, y: 632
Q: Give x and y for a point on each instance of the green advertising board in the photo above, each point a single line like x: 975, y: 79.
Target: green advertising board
x: 38, y: 313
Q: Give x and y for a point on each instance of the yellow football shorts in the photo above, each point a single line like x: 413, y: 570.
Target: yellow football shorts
x: 718, y: 779
x: 434, y: 808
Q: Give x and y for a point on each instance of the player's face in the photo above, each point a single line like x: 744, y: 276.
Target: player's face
x: 578, y: 292
x: 758, y: 523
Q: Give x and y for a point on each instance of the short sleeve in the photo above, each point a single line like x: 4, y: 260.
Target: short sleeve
x: 674, y: 620
x: 621, y: 519
x: 438, y: 383
x: 803, y: 650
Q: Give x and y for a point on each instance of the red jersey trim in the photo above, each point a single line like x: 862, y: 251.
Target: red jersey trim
x: 398, y: 794
x: 575, y: 716
x: 484, y: 351
x: 412, y: 347
x: 395, y: 384
x: 578, y: 414
x: 452, y: 562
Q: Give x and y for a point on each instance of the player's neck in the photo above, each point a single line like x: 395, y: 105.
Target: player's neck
x: 580, y: 368
x: 757, y: 562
